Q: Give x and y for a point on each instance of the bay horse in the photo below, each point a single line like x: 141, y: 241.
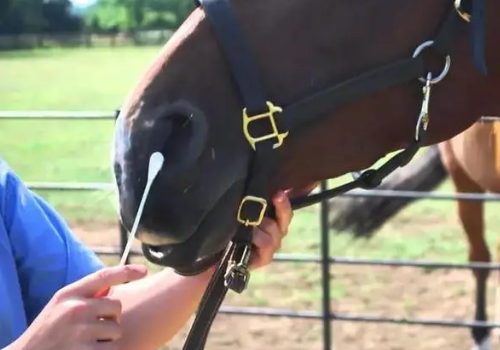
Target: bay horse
x: 249, y: 97
x: 472, y: 161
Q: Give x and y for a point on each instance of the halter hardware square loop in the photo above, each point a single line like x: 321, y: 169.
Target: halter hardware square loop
x: 275, y: 133
x: 262, y: 210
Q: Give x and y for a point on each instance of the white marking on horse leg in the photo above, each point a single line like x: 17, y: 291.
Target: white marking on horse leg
x: 484, y: 345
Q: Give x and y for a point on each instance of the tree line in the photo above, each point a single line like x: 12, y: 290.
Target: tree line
x: 105, y: 16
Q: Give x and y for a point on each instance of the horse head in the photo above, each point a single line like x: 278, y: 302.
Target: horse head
x: 327, y: 86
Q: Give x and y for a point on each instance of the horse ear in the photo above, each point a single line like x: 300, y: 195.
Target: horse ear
x: 302, y: 191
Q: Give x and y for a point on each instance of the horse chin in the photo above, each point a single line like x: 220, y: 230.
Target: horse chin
x: 168, y: 256
x: 196, y: 254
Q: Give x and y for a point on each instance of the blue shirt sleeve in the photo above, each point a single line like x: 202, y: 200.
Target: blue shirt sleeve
x: 48, y: 256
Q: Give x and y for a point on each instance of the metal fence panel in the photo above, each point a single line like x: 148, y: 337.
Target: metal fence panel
x: 326, y: 315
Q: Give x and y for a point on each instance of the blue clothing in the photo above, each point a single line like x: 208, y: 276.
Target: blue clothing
x: 38, y: 255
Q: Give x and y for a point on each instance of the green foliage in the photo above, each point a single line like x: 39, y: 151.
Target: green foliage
x: 37, y: 16
x: 108, y: 16
x: 21, y: 16
x: 133, y: 15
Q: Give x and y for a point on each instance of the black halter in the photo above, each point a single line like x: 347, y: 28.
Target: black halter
x: 260, y: 115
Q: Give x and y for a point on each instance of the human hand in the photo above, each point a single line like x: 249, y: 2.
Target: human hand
x: 75, y: 319
x: 268, y: 235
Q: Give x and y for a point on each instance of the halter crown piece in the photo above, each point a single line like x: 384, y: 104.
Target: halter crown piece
x: 474, y: 12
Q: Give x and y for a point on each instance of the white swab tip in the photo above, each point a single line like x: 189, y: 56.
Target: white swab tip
x: 155, y: 164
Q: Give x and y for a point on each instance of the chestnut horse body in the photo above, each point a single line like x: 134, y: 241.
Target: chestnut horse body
x: 187, y: 106
x: 472, y: 160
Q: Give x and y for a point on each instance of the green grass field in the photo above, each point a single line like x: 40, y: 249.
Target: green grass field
x: 68, y: 151
x: 73, y: 80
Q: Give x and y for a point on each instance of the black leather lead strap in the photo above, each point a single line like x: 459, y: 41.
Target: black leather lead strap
x: 217, y: 290
x: 209, y: 306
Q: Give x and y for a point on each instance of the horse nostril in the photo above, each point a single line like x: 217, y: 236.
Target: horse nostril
x: 176, y: 143
x: 180, y: 134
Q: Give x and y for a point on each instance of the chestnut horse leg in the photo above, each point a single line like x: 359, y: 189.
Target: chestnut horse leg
x: 471, y: 217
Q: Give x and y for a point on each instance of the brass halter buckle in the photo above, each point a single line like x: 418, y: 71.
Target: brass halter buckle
x: 458, y: 6
x: 263, y: 206
x: 270, y: 114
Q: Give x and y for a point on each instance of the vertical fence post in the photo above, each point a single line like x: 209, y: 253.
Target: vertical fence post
x: 325, y: 271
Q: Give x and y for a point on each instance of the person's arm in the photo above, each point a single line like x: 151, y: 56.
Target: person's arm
x: 155, y: 308
x: 47, y: 256
x: 50, y: 257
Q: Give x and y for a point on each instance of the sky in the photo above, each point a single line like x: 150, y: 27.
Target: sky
x: 82, y: 2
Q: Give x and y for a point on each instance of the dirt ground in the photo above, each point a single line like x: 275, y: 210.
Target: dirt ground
x: 397, y: 292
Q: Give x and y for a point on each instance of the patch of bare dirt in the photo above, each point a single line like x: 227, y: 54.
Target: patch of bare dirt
x: 390, y: 292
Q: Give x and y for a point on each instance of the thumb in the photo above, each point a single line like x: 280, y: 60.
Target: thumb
x: 302, y: 191
x: 90, y: 285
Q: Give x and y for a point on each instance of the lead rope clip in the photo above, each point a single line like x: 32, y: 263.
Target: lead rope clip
x: 424, y: 118
x: 237, y: 274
